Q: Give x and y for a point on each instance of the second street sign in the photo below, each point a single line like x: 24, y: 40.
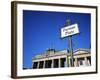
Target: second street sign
x: 69, y: 30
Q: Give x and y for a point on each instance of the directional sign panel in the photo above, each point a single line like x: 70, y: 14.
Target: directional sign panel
x: 69, y: 30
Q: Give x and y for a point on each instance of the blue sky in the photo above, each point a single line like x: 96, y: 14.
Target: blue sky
x: 41, y: 30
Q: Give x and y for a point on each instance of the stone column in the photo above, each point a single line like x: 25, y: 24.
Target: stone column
x: 86, y: 61
x: 38, y: 65
x: 33, y: 65
x: 52, y: 65
x: 76, y: 62
x: 66, y: 61
x: 59, y: 63
x: 69, y: 63
x: 44, y: 64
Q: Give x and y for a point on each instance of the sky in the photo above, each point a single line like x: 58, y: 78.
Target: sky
x: 41, y: 31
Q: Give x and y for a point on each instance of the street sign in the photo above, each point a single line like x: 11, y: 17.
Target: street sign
x: 69, y: 30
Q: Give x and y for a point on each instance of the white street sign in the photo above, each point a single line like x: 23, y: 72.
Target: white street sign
x: 69, y: 30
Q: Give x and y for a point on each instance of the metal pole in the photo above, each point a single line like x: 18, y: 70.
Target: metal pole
x: 70, y: 45
x: 71, y: 50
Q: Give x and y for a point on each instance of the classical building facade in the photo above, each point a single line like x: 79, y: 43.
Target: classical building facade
x: 58, y: 59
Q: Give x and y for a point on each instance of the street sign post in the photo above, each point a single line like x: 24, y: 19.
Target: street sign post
x: 69, y: 31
